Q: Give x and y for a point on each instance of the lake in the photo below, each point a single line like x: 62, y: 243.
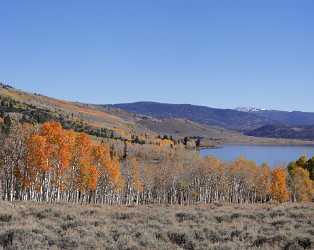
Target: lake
x: 272, y: 154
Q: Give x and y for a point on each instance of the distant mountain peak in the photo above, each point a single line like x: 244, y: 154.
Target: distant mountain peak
x: 249, y: 109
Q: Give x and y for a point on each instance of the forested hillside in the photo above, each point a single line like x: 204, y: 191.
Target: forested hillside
x: 294, y: 118
x: 36, y: 108
x: 226, y: 118
x: 282, y: 131
x: 253, y: 122
x: 100, y: 121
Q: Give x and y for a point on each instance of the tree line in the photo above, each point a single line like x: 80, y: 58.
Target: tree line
x: 47, y: 163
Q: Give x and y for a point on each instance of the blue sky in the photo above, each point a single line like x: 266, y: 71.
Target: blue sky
x: 212, y: 52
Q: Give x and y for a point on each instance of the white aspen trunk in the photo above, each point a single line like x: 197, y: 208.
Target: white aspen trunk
x: 48, y: 188
x: 12, y: 184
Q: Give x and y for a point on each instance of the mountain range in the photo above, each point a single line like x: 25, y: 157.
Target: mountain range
x: 249, y: 121
x: 152, y: 119
x: 225, y: 118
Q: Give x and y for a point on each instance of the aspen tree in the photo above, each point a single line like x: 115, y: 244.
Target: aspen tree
x: 279, y: 190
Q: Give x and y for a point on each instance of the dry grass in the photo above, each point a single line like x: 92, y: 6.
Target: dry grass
x: 63, y: 226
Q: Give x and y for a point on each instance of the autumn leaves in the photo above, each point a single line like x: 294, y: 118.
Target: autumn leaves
x: 279, y: 188
x: 51, y: 164
x: 57, y: 164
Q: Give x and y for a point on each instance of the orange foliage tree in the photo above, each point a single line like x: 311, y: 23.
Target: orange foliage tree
x: 58, y: 157
x: 279, y: 190
x: 36, y: 161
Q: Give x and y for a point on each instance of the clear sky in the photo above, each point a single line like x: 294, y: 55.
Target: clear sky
x: 210, y: 52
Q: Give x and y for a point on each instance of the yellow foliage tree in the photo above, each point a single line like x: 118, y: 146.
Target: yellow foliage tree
x: 303, y: 185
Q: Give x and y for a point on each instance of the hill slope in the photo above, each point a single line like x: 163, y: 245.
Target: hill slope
x: 150, y: 119
x: 252, y: 122
x: 98, y: 120
x: 294, y: 118
x: 281, y: 131
x: 81, y: 117
x: 226, y: 118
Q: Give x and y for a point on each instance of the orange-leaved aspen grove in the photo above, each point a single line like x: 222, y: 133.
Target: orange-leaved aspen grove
x: 47, y: 163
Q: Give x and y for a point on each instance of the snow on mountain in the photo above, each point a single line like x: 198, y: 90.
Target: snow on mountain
x: 249, y: 109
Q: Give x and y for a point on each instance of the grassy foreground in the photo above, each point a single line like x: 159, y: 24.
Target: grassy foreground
x: 63, y: 226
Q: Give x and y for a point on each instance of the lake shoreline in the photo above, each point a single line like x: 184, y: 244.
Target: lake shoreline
x: 272, y: 154
x: 255, y: 141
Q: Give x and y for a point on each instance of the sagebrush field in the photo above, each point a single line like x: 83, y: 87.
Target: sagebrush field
x: 27, y: 225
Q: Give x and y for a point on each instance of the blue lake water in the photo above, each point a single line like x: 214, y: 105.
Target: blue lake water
x: 273, y: 155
